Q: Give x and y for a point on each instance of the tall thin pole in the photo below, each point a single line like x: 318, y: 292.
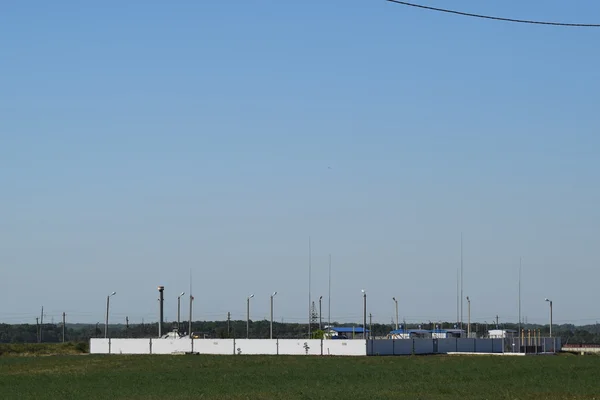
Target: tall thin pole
x: 320, y: 313
x: 396, y: 301
x: 106, y: 321
x: 37, y: 325
x: 550, y: 301
x: 461, y: 280
x: 457, y: 297
x: 469, y: 317
x: 273, y: 295
x: 248, y: 317
x: 309, y: 286
x: 42, y: 326
x: 63, y: 326
x: 228, y: 321
x: 191, y: 306
x: 520, y: 265
x: 329, y: 300
x: 178, y: 312
x: 364, y: 314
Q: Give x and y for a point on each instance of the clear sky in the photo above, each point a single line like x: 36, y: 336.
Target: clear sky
x: 142, y: 139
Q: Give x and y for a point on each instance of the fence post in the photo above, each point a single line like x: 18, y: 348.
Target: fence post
x: 150, y: 346
x: 109, y: 346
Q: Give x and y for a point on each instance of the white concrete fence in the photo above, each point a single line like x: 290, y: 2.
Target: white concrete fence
x: 230, y: 346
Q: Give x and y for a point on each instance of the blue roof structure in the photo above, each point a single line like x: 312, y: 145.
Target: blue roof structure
x: 346, y: 329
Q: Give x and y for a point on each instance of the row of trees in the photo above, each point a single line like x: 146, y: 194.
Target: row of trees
x: 52, y: 333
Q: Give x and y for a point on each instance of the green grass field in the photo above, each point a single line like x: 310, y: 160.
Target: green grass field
x: 281, y: 377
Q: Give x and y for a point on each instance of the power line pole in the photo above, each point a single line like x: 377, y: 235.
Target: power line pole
x: 42, y: 326
x: 496, y: 321
x: 228, y: 322
x: 370, y: 323
x: 37, y: 329
x: 63, y: 327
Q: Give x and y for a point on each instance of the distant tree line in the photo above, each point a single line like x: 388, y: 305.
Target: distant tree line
x: 53, y: 333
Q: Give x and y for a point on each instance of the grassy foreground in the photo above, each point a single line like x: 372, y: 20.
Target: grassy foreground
x: 281, y: 377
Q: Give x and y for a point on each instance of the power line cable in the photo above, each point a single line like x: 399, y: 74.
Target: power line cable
x: 522, y: 21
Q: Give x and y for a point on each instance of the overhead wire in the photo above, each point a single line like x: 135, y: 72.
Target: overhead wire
x: 466, y: 14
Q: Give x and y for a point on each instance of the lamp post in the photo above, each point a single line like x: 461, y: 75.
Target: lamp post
x: 248, y: 316
x: 469, y: 317
x: 396, y: 301
x: 107, y: 308
x: 179, y: 311
x: 550, y: 301
x: 364, y: 313
x: 273, y: 295
x: 320, y: 314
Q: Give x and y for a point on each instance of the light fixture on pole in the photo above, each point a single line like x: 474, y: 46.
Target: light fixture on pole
x: 273, y: 295
x: 550, y: 301
x: 107, y: 308
x: 179, y: 311
x: 469, y: 317
x: 364, y: 313
x: 396, y: 301
x: 248, y: 316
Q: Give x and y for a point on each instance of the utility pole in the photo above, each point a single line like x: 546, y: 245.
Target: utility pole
x: 364, y: 314
x: 496, y: 321
x: 370, y: 322
x: 42, y: 326
x: 63, y: 327
x: 228, y: 322
x: 469, y: 320
x: 320, y: 313
x: 37, y: 329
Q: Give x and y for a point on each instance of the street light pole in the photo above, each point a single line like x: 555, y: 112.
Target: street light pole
x: 248, y: 316
x: 320, y: 314
x: 273, y: 295
x: 396, y: 301
x: 469, y: 317
x: 364, y: 313
x: 550, y: 301
x: 179, y: 311
x: 107, y: 308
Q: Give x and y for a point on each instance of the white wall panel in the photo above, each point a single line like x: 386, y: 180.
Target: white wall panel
x: 256, y: 346
x: 214, y: 346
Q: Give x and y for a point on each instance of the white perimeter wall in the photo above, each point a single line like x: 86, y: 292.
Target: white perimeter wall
x: 230, y: 346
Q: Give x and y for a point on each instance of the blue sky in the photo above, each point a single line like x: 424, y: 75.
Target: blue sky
x: 140, y: 140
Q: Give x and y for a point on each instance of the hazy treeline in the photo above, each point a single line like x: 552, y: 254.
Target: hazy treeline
x: 52, y: 333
